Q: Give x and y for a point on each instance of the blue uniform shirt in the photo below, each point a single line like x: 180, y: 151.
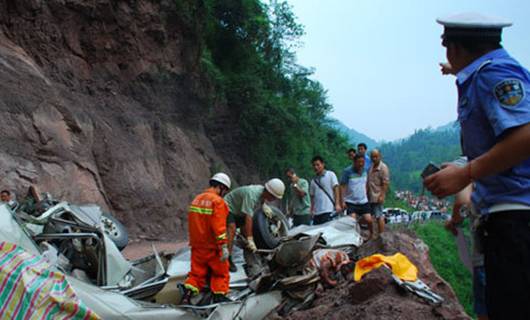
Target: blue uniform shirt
x: 494, y: 96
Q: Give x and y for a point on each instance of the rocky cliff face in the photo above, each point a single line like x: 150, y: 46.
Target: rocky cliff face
x: 102, y: 101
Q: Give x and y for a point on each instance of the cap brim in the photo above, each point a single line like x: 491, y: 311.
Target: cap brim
x: 473, y: 20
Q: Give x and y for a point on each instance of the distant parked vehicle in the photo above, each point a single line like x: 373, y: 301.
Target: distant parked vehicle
x: 395, y: 215
x: 437, y: 215
x: 420, y: 216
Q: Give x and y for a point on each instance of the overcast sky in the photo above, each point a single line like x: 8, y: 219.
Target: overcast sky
x: 378, y: 59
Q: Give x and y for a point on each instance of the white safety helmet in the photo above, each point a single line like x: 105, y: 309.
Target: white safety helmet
x: 222, y: 178
x: 275, y: 187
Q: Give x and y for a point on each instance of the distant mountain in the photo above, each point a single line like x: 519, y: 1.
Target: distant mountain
x: 451, y: 126
x: 407, y: 157
x: 354, y: 137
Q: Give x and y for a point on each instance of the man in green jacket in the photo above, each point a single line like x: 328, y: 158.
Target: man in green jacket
x: 298, y: 201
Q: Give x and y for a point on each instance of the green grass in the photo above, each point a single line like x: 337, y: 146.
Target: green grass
x: 444, y: 257
x: 443, y: 253
x: 392, y: 202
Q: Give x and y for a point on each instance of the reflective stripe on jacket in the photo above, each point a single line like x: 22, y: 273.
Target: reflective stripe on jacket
x: 207, y: 220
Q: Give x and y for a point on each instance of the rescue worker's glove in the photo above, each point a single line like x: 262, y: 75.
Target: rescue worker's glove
x: 224, y: 253
x: 251, y: 245
x: 267, y: 211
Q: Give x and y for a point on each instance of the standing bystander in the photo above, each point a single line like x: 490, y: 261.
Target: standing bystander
x: 363, y: 150
x: 353, y: 191
x: 324, y: 191
x: 378, y: 182
x: 351, y: 154
x: 461, y: 205
x: 298, y: 200
x: 494, y: 116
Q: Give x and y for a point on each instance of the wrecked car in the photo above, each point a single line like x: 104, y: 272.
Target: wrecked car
x: 43, y: 210
x: 75, y: 241
x: 134, y: 296
x: 284, y: 268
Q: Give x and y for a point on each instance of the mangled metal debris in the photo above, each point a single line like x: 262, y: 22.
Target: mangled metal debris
x: 341, y: 232
x: 419, y: 288
x: 145, y: 279
x: 114, y: 287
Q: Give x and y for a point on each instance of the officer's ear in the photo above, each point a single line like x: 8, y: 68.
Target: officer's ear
x: 453, y: 53
x: 450, y: 46
x: 459, y: 50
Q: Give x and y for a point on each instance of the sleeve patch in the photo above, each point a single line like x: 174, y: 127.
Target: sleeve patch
x: 509, y: 92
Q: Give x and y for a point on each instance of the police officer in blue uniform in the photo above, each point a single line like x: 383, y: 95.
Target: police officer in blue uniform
x: 494, y: 114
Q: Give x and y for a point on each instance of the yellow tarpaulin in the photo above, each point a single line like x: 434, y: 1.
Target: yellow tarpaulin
x: 398, y: 263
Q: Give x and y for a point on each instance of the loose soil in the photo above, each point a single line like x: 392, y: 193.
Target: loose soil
x: 376, y: 296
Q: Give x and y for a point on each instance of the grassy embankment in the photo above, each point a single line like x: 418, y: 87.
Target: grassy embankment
x: 443, y: 254
x: 444, y: 257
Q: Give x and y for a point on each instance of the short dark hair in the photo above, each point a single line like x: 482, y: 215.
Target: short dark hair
x: 351, y: 150
x: 362, y: 144
x: 358, y: 156
x: 6, y: 192
x: 317, y: 158
x: 290, y: 170
x: 474, y: 45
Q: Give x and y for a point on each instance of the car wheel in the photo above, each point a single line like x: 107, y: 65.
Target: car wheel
x: 115, y: 230
x: 268, y: 232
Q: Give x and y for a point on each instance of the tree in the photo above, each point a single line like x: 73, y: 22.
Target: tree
x: 248, y: 51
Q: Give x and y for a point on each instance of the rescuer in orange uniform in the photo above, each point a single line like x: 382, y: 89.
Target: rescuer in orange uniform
x: 207, y: 235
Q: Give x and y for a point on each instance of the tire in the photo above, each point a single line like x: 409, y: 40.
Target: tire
x: 115, y: 230
x: 267, y: 233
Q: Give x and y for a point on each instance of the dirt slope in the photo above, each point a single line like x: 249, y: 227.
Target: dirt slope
x: 377, y: 297
x: 102, y: 101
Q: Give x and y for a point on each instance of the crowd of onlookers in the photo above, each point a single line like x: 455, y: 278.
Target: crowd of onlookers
x: 423, y: 202
x: 360, y: 192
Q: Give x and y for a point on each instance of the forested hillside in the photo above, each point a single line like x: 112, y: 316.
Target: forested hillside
x: 407, y: 158
x: 248, y: 55
x: 133, y: 104
x: 354, y: 136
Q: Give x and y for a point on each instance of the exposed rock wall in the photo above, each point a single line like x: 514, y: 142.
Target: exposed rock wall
x: 102, y: 101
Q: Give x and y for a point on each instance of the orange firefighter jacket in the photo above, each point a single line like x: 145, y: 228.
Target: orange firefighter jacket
x: 207, y: 220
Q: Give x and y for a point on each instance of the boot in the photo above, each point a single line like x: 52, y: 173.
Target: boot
x: 185, y: 294
x: 220, y: 298
x: 232, y: 266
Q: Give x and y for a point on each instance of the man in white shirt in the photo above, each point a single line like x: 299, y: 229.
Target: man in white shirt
x: 324, y: 192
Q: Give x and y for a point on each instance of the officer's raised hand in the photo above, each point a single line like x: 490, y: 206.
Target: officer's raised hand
x: 448, y: 181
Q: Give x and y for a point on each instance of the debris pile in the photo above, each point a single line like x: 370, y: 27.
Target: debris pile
x: 308, y: 275
x: 377, y: 296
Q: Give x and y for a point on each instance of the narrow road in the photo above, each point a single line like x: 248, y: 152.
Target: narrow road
x: 141, y: 249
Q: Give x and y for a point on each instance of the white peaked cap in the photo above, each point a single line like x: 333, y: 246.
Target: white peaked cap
x: 473, y: 20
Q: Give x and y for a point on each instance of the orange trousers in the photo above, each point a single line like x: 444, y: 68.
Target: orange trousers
x: 202, y: 261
